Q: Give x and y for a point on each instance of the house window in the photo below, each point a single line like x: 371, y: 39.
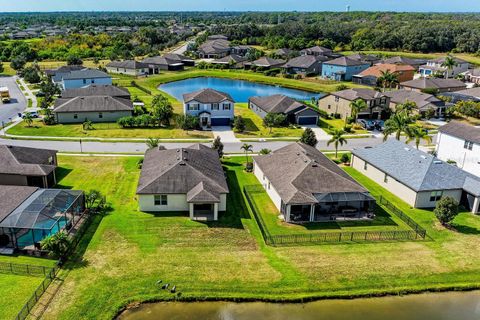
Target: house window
x: 435, y: 196
x: 193, y: 107
x: 329, y: 106
x: 365, y: 166
x: 160, y: 200
x: 268, y: 185
x: 468, y: 145
x: 385, y: 178
x: 84, y: 81
x: 215, y: 106
x: 75, y: 116
x: 50, y: 160
x: 226, y: 106
x: 100, y: 115
x: 337, y: 99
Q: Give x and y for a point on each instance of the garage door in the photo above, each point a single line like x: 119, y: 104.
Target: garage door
x: 307, y: 120
x: 220, y: 121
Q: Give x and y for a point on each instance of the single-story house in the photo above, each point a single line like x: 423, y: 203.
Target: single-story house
x: 473, y: 76
x: 306, y: 186
x: 320, y: 51
x: 265, y: 63
x: 30, y: 214
x: 339, y: 103
x: 343, y: 68
x: 180, y: 58
x: 423, y: 101
x: 286, y: 53
x: 416, y: 177
x: 232, y: 61
x: 472, y: 94
x: 296, y: 112
x: 240, y: 50
x: 24, y: 166
x: 128, y: 67
x: 371, y: 75
x: 460, y: 142
x: 305, y: 65
x: 82, y: 78
x: 368, y: 58
x: 434, y: 67
x: 93, y: 108
x: 183, y: 180
x: 416, y: 63
x: 214, y: 49
x: 157, y: 63
x: 212, y: 107
x: 437, y: 84
x: 217, y: 37
x: 96, y: 90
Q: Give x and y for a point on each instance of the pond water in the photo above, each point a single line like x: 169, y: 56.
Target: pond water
x: 438, y: 306
x: 240, y: 90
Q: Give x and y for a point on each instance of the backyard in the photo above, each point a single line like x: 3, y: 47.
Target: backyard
x: 126, y: 252
x: 16, y: 289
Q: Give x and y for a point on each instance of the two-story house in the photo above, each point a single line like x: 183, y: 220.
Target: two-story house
x: 84, y: 77
x: 343, y: 68
x: 435, y: 67
x: 339, y: 103
x: 459, y: 143
x: 212, y: 107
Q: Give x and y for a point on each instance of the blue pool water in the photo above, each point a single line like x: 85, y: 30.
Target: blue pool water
x: 240, y: 90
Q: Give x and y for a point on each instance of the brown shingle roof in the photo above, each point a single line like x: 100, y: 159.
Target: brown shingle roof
x: 345, y: 61
x: 93, y: 104
x: 25, y: 161
x: 423, y: 101
x: 207, y: 96
x: 298, y: 172
x: 278, y: 103
x: 96, y: 90
x: 377, y: 69
x: 433, y: 83
x: 13, y: 196
x: 461, y: 130
x: 195, y: 171
x: 357, y: 93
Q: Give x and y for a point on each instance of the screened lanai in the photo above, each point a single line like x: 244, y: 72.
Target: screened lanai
x: 343, y: 204
x: 45, y: 212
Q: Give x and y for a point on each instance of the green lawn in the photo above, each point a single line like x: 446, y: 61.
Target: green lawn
x: 329, y: 124
x: 256, y: 129
x: 126, y: 252
x: 15, y: 291
x: 104, y: 130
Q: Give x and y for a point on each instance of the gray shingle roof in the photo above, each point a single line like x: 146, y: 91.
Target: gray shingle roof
x: 433, y: 83
x: 85, y: 74
x: 207, y: 96
x: 230, y: 58
x: 278, y: 103
x: 177, y: 57
x: 405, y: 60
x: 473, y: 92
x: 127, y: 64
x: 461, y: 130
x: 317, y: 49
x: 304, y: 61
x: 215, y: 46
x: 93, y: 104
x: 416, y: 169
x: 162, y: 61
x: 358, y: 93
x: 13, y: 196
x: 195, y: 171
x: 423, y: 101
x: 267, y: 62
x: 25, y: 161
x: 298, y: 172
x: 345, y: 62
x: 96, y: 90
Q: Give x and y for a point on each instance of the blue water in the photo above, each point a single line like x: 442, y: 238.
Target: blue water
x: 240, y: 90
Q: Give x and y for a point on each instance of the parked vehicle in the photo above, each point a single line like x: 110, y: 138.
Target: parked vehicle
x: 379, y: 125
x: 366, y: 124
x: 33, y: 113
x: 4, y: 94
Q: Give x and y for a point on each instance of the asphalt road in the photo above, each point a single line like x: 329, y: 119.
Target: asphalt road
x: 18, y: 103
x: 132, y: 147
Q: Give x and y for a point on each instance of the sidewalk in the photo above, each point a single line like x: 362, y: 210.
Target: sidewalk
x: 28, y: 93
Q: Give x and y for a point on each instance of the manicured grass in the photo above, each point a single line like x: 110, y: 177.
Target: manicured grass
x: 126, y: 252
x: 104, y: 130
x: 256, y: 129
x: 329, y: 124
x: 15, y: 290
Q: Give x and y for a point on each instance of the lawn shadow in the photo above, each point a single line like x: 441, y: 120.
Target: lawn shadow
x: 465, y: 229
x: 61, y: 173
x: 250, y: 125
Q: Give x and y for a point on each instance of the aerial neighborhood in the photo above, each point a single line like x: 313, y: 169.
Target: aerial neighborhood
x: 235, y: 156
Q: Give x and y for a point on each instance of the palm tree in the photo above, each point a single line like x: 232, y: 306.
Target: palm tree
x: 152, y: 143
x: 388, y: 79
x: 407, y: 107
x: 247, y: 148
x: 27, y: 117
x: 357, y: 106
x: 397, y: 124
x: 449, y: 63
x: 337, y: 139
x: 416, y: 133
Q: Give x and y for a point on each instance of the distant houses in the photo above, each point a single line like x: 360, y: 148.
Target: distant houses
x: 459, y: 143
x: 231, y: 61
x: 70, y: 77
x: 424, y: 102
x: 306, y: 186
x: 159, y: 63
x: 436, y: 85
x: 187, y: 180
x: 371, y: 75
x: 416, y: 177
x: 343, y: 68
x: 265, y: 63
x: 296, y: 112
x: 128, y: 67
x: 435, y: 67
x: 305, y: 65
x: 212, y: 107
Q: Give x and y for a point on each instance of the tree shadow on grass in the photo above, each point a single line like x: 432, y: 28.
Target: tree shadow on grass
x: 250, y: 126
x: 465, y: 229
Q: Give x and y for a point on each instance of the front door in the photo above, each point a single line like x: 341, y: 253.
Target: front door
x: 204, y: 121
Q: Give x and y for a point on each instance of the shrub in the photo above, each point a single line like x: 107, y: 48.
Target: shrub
x: 309, y: 138
x: 239, y: 124
x: 348, y: 128
x: 345, y: 158
x: 57, y: 245
x: 272, y: 72
x: 446, y: 210
x: 341, y: 87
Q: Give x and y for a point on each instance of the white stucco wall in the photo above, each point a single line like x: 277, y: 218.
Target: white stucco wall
x: 69, y: 117
x: 392, y: 185
x: 130, y: 72
x: 452, y: 148
x: 80, y: 83
x: 423, y: 198
x: 257, y: 110
x: 176, y: 202
x: 272, y: 193
x: 208, y: 107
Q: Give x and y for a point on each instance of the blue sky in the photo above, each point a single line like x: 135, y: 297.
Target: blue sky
x: 240, y: 5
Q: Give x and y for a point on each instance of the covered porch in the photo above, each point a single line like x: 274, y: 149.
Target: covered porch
x: 205, y: 120
x: 203, y: 211
x: 331, y: 207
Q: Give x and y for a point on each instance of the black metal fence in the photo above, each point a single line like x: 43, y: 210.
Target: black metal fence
x: 416, y: 232
x: 37, y: 294
x: 23, y: 269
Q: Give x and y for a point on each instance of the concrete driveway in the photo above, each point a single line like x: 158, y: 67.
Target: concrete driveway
x: 18, y: 103
x: 225, y: 133
x: 319, y: 132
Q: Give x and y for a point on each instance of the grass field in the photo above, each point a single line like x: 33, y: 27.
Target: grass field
x: 104, y: 130
x: 15, y: 290
x: 127, y: 251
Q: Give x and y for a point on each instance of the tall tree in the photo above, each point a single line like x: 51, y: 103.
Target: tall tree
x: 162, y: 110
x: 417, y: 134
x: 388, y: 79
x: 397, y: 124
x: 308, y: 137
x: 247, y: 148
x: 449, y: 63
x: 337, y: 139
x: 218, y: 145
x: 356, y: 106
